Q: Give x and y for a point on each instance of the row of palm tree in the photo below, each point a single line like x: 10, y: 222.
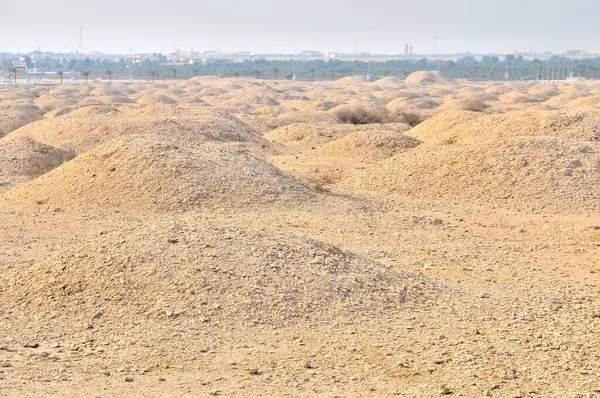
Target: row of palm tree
x: 276, y: 71
x: 109, y: 72
x: 13, y: 70
x: 12, y: 74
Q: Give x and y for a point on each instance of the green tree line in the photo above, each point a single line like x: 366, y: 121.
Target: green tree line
x: 486, y: 69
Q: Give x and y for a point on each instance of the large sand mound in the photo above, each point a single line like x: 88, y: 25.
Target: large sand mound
x: 389, y: 82
x: 366, y: 145
x: 82, y: 133
x: 156, y: 99
x: 106, y: 90
x: 14, y: 115
x: 145, y: 173
x: 94, y: 110
x: 462, y: 126
x: 307, y: 117
x: 51, y: 101
x: 87, y: 106
x: 527, y: 172
x: 252, y: 99
x: 116, y: 99
x: 208, y: 276
x: 170, y: 92
x: 584, y: 102
x: 22, y: 159
x: 266, y: 123
x: 350, y: 80
x: 311, y: 135
x: 411, y: 104
x: 426, y: 77
x: 21, y: 93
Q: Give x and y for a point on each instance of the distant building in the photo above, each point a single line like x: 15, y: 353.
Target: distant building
x: 310, y: 54
x: 509, y: 52
x: 575, y: 53
x: 183, y: 56
x: 20, y: 63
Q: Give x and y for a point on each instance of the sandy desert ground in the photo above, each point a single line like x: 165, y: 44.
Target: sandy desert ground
x: 234, y: 237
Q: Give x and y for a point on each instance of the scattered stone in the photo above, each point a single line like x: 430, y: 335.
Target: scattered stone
x: 253, y: 371
x: 129, y: 379
x: 5, y: 364
x: 445, y: 390
x: 31, y: 344
x: 510, y: 374
x: 97, y: 315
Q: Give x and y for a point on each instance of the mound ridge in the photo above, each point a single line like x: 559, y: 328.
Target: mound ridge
x: 156, y: 99
x: 308, y: 135
x: 466, y: 126
x: 525, y: 172
x: 22, y: 159
x: 148, y: 173
x: 14, y: 115
x: 84, y: 132
x: 366, y: 145
x: 229, y: 276
x: 426, y: 77
x: 388, y: 82
x: 267, y: 123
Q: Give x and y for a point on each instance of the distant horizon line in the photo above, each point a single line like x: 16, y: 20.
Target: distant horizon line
x: 296, y: 53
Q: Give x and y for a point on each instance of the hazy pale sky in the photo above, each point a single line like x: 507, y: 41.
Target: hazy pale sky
x: 288, y: 25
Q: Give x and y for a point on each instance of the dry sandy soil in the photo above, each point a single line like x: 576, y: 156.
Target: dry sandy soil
x: 232, y: 237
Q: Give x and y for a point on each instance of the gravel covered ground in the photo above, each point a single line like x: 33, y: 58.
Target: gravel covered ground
x: 231, y: 237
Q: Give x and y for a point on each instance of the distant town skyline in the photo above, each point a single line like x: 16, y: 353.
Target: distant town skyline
x: 266, y: 26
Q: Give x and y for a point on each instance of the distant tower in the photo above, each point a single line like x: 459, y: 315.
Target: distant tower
x: 406, y: 49
x: 81, y: 39
x: 410, y: 50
